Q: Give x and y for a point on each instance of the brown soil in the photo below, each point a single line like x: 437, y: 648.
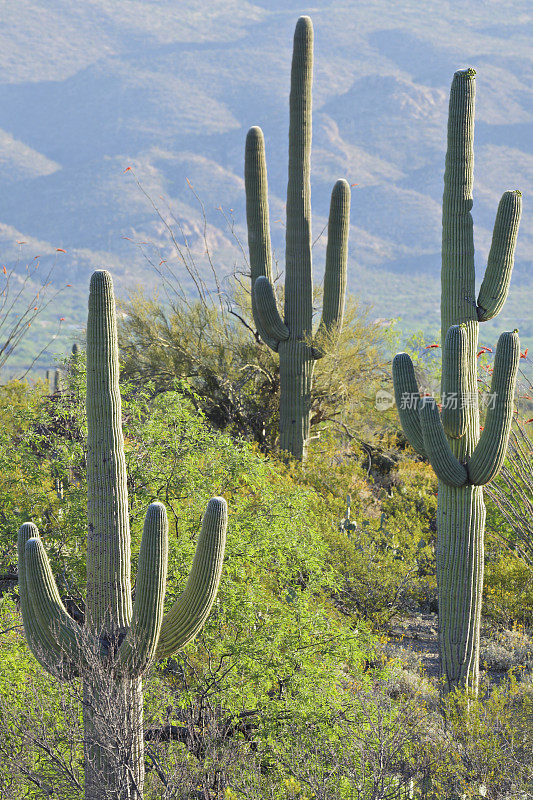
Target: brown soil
x: 417, y: 634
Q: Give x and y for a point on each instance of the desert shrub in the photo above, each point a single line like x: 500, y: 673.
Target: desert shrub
x: 234, y: 379
x: 511, y: 495
x: 508, y: 587
x: 386, y: 559
x: 40, y: 727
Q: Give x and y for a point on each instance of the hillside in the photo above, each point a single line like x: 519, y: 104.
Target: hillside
x: 170, y: 88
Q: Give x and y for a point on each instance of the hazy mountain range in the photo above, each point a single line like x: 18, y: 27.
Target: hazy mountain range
x: 170, y: 89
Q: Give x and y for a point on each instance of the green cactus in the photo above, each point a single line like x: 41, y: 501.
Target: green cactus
x: 292, y: 337
x: 347, y: 525
x: 463, y: 459
x: 56, y: 383
x: 119, y: 639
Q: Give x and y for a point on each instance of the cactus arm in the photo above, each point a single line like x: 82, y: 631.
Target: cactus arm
x: 257, y: 217
x: 336, y: 260
x: 47, y: 605
x: 447, y: 468
x: 267, y: 311
x: 40, y: 640
x: 190, y: 611
x: 455, y: 382
x: 458, y: 300
x: 108, y: 538
x: 298, y: 268
x: 138, y: 648
x: 407, y: 398
x: 490, y: 451
x: 495, y: 285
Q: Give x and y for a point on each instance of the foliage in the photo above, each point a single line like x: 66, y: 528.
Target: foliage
x: 363, y: 742
x: 234, y: 379
x: 229, y: 375
x: 512, y: 494
x: 285, y: 660
x: 274, y: 632
x: 387, y: 563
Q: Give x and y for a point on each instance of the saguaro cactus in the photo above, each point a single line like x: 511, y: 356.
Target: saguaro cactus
x: 292, y: 337
x: 119, y: 639
x: 463, y: 459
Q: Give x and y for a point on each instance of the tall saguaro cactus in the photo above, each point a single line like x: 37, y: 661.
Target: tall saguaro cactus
x: 463, y: 459
x: 119, y: 639
x: 292, y: 336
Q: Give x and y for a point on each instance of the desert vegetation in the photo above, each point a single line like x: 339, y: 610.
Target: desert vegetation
x: 355, y: 624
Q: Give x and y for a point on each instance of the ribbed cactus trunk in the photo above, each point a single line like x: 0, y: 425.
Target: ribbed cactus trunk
x: 463, y: 458
x: 108, y: 603
x: 119, y: 640
x: 292, y: 337
x: 113, y: 739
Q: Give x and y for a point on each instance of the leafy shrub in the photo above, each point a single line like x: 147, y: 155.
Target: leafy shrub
x: 234, y: 379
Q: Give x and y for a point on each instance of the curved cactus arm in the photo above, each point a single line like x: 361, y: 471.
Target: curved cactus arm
x: 298, y: 266
x: 446, y: 466
x: 407, y: 398
x: 495, y: 286
x: 267, y: 312
x: 190, y: 611
x: 489, y: 453
x: 40, y: 640
x: 257, y: 217
x: 455, y: 381
x: 46, y: 603
x: 336, y: 260
x: 138, y: 648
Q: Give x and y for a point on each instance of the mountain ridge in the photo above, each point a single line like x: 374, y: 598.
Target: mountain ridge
x: 170, y: 89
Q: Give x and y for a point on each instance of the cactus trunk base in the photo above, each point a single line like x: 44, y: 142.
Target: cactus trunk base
x: 296, y: 364
x: 460, y: 525
x: 113, y: 738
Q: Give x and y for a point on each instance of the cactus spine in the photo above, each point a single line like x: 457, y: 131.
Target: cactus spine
x: 119, y: 639
x: 463, y: 459
x: 292, y: 336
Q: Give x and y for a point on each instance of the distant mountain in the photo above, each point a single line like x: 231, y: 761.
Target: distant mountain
x: 169, y: 88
